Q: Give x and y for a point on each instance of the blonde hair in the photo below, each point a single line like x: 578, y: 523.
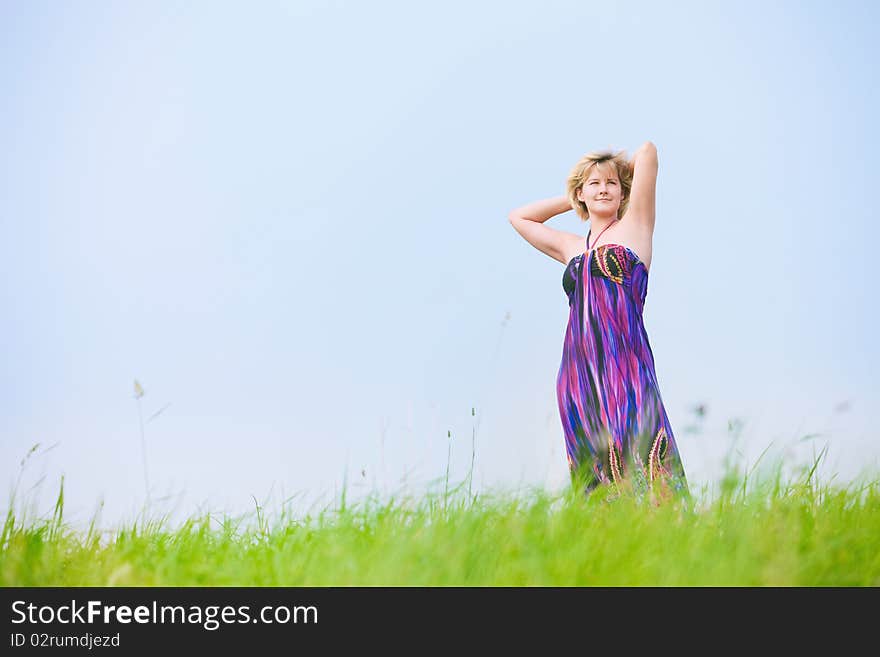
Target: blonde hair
x: 581, y: 171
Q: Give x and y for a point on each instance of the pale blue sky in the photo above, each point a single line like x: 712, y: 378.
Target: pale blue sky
x: 288, y: 220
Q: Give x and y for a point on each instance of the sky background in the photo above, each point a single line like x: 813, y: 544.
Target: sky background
x: 288, y: 222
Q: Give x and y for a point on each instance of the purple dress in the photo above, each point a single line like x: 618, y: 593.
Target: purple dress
x: 616, y: 428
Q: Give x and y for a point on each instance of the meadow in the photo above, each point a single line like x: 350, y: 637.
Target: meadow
x: 768, y: 531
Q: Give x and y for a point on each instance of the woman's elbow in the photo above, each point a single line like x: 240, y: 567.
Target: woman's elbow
x: 648, y: 147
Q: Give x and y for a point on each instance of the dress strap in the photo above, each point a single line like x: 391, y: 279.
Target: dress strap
x: 600, y: 234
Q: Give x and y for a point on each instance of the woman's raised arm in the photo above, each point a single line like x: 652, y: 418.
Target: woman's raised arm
x: 642, y: 203
x: 529, y: 219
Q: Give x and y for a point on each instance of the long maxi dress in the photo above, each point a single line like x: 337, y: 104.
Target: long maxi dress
x: 615, y: 425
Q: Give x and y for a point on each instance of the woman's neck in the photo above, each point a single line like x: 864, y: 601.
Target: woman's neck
x: 598, y: 225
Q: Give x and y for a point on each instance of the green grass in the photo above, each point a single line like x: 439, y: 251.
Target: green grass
x: 750, y: 533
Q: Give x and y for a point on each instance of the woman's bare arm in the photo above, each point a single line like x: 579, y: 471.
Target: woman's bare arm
x: 642, y: 204
x: 529, y: 219
x: 543, y: 210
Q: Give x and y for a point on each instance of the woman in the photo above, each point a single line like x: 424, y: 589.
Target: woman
x: 615, y: 425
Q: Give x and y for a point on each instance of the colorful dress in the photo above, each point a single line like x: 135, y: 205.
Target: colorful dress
x: 616, y: 428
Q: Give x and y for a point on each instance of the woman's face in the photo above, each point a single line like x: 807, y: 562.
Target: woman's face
x: 601, y: 191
